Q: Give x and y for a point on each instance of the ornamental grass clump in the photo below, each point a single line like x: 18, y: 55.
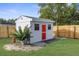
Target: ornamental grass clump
x: 23, y: 35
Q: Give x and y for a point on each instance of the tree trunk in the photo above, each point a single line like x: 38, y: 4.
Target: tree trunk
x: 13, y: 40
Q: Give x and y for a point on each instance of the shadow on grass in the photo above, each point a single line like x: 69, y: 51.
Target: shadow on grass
x: 52, y: 40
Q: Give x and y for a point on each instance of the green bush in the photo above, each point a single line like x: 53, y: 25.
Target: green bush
x: 22, y: 34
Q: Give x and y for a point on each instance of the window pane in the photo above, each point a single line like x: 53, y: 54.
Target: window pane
x: 49, y: 26
x: 36, y: 26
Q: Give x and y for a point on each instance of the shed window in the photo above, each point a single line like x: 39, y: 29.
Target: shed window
x: 36, y: 26
x: 49, y: 26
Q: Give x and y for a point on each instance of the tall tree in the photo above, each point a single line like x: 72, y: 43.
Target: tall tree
x: 59, y: 12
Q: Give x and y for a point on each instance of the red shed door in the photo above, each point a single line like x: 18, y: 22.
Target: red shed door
x: 44, y: 32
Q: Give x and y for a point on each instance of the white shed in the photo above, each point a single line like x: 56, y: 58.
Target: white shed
x: 42, y: 29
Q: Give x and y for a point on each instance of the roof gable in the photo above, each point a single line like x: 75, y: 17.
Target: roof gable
x: 23, y: 19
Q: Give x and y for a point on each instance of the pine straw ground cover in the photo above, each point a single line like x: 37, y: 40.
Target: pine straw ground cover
x: 59, y: 47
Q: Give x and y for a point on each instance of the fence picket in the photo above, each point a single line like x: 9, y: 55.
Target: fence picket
x: 6, y: 30
x: 69, y: 31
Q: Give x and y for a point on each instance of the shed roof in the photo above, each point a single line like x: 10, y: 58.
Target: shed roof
x: 38, y: 19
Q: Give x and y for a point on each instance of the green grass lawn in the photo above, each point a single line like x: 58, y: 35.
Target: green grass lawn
x: 63, y: 47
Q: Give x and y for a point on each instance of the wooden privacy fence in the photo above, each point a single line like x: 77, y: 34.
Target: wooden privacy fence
x: 69, y: 31
x: 6, y: 30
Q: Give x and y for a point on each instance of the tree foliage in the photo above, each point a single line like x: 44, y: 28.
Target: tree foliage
x: 62, y: 13
x: 9, y: 21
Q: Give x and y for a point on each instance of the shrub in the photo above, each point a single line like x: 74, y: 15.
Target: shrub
x: 22, y: 35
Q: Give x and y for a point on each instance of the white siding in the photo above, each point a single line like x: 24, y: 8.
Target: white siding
x: 22, y: 25
x: 49, y: 33
x: 36, y: 34
x: 23, y: 19
x: 22, y: 22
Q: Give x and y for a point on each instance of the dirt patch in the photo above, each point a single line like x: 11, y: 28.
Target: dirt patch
x: 19, y: 47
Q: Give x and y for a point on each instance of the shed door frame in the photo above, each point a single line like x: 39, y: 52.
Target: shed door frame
x: 43, y: 32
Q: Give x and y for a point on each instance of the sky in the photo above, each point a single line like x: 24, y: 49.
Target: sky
x: 14, y: 10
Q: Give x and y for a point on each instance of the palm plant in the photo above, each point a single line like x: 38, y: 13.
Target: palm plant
x: 22, y: 35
